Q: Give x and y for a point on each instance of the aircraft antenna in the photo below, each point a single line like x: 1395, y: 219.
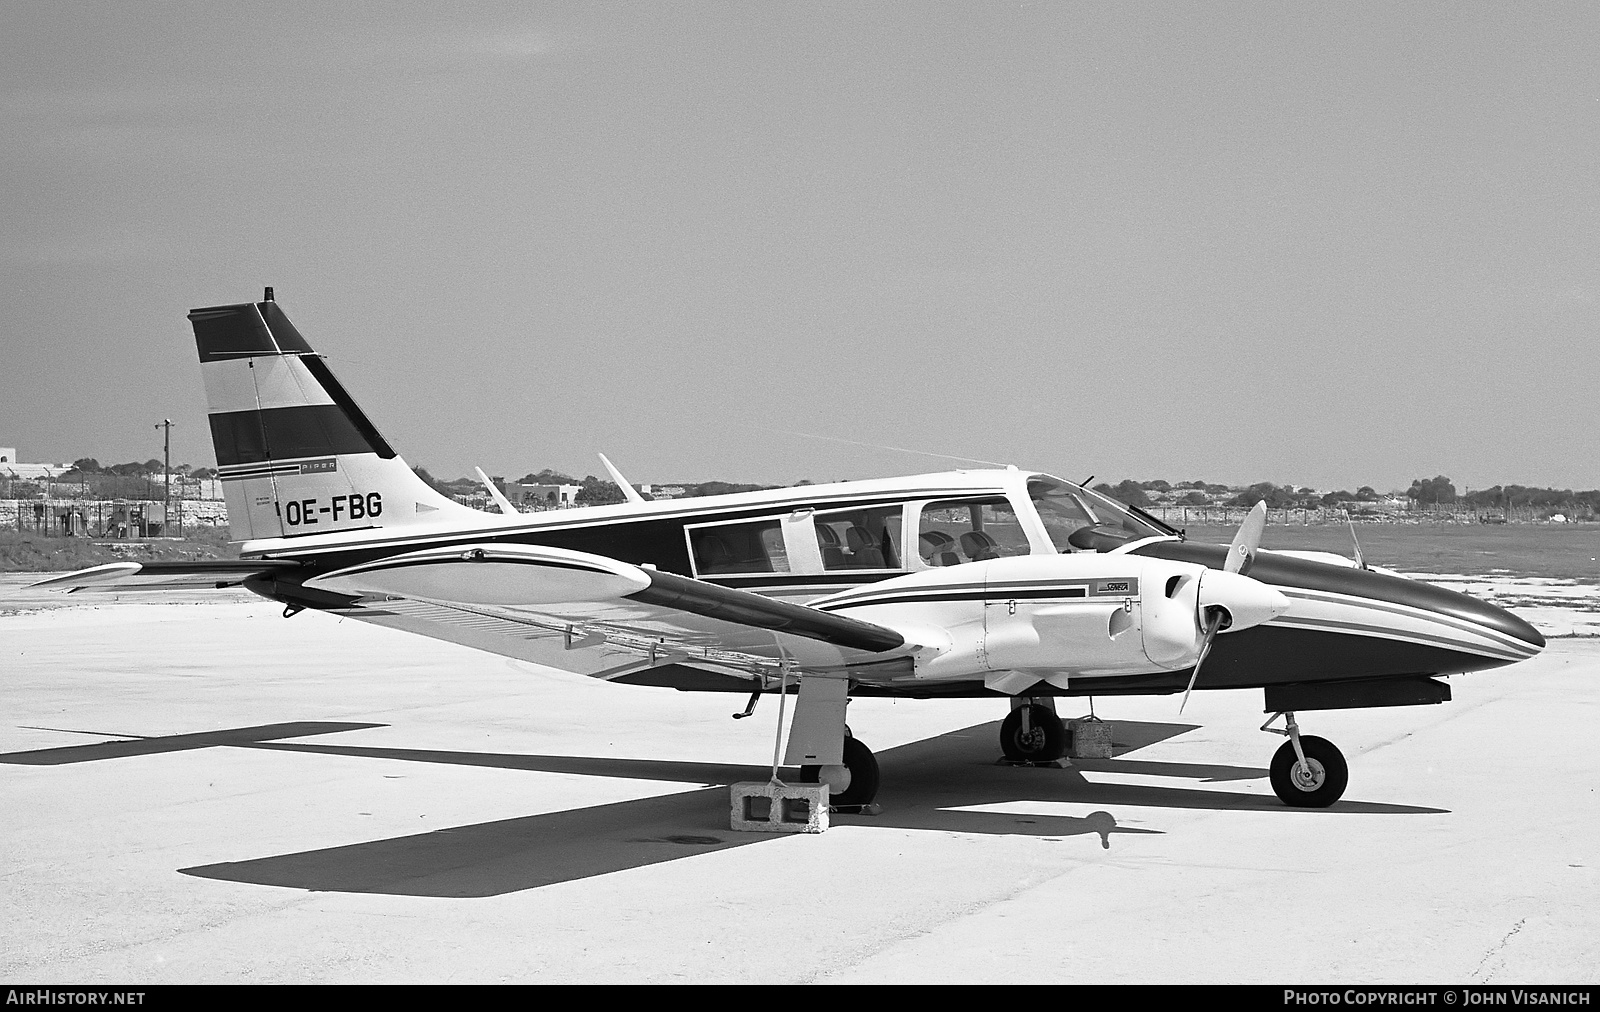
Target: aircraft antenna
x: 494, y: 493
x: 1360, y: 562
x: 884, y: 446
x: 629, y: 493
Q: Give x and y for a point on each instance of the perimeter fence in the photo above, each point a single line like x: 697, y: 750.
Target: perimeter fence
x: 1443, y: 513
x: 110, y: 518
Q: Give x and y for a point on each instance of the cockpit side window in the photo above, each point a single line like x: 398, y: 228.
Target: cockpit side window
x: 1079, y: 520
x: 953, y: 531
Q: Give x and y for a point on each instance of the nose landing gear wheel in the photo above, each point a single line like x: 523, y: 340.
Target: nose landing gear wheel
x: 1043, y: 740
x: 851, y: 785
x: 1317, y: 784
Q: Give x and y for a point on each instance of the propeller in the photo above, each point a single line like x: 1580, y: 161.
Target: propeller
x: 1240, y: 554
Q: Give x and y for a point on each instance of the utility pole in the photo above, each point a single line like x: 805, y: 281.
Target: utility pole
x: 166, y: 467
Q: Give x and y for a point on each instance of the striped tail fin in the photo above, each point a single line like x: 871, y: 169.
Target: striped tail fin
x: 296, y: 456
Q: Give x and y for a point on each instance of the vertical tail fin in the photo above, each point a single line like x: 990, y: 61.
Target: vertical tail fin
x: 296, y: 455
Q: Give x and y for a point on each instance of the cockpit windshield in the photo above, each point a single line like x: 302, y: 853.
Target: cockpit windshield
x: 1080, y: 520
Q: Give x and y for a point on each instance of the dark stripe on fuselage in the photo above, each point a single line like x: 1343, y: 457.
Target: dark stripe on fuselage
x: 650, y: 539
x: 978, y: 596
x: 305, y: 430
x: 835, y: 580
x: 314, y: 534
x: 1248, y: 659
x: 1368, y: 606
x: 1275, y: 655
x: 622, y: 532
x: 1288, y: 571
x: 679, y: 593
x: 260, y: 471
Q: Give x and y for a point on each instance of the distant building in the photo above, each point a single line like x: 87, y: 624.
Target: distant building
x: 541, y: 496
x: 12, y: 468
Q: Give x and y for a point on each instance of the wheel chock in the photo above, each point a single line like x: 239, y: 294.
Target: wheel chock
x: 766, y: 807
x: 1091, y: 738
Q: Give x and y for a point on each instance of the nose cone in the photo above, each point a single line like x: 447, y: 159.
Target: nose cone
x: 1446, y: 606
x: 1248, y: 602
x: 1496, y: 618
x: 1447, y: 617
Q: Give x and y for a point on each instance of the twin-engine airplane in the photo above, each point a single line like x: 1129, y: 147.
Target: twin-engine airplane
x: 968, y: 583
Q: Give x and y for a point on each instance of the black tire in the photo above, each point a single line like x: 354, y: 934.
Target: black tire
x: 1045, y: 741
x: 1322, y: 786
x: 861, y: 767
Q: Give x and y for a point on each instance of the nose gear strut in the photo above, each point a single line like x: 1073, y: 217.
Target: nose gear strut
x: 1306, y: 771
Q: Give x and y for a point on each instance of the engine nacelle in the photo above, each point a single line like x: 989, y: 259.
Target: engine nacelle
x: 1085, y: 614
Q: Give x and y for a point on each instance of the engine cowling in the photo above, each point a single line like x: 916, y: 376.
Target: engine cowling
x: 1084, y: 614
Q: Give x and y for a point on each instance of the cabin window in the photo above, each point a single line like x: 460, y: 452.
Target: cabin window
x: 752, y: 547
x: 954, y: 531
x: 860, y: 538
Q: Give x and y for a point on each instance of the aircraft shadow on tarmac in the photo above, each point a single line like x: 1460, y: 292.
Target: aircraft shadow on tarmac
x: 927, y: 785
x: 132, y: 745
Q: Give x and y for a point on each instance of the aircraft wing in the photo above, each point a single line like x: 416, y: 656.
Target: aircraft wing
x: 608, y: 619
x: 122, y: 577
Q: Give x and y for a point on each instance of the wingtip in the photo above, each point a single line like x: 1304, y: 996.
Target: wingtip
x: 68, y: 582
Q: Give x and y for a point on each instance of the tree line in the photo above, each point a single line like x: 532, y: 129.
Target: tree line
x: 1438, y: 490
x: 592, y: 491
x: 1200, y: 493
x: 131, y: 480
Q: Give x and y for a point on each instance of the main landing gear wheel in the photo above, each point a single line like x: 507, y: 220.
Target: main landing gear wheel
x: 1042, y: 740
x: 1318, y: 783
x: 851, y: 785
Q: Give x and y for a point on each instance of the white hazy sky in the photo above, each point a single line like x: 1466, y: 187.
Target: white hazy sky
x: 1333, y: 244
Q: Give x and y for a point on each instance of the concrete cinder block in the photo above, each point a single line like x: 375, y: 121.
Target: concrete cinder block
x: 766, y: 807
x: 1091, y: 738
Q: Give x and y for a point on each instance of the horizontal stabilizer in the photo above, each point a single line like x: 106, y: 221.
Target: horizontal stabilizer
x: 123, y: 577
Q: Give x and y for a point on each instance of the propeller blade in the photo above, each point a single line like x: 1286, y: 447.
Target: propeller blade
x: 1245, y: 543
x: 1252, y: 602
x: 1212, y: 625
